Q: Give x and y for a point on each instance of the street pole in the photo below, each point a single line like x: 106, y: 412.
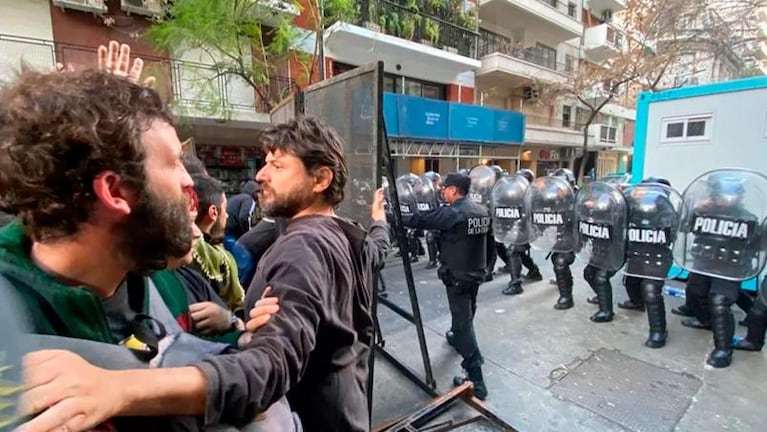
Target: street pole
x: 321, y: 41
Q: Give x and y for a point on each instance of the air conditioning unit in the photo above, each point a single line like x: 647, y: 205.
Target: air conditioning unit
x: 143, y: 7
x: 93, y: 6
x: 607, y: 15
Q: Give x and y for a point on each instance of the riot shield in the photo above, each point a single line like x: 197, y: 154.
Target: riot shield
x: 425, y: 195
x: 483, y: 179
x: 509, y: 211
x: 719, y: 231
x: 407, y: 204
x: 653, y: 220
x: 600, y: 214
x: 549, y: 202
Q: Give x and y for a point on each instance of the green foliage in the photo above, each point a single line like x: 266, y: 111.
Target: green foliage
x: 243, y: 44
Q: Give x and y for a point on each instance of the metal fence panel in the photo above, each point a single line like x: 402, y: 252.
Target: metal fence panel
x: 350, y: 103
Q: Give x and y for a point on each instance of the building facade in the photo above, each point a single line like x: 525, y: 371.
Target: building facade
x: 462, y: 76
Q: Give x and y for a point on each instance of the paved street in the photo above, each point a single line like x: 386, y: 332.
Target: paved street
x: 549, y: 370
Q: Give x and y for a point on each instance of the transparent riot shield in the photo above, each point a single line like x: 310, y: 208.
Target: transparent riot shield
x: 13, y: 346
x: 551, y: 217
x: 407, y: 204
x: 425, y: 195
x: 510, y: 219
x: 483, y: 179
x: 720, y: 229
x: 600, y: 214
x: 653, y: 220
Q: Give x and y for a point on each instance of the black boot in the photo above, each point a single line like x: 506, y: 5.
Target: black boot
x: 630, y: 305
x: 475, y: 376
x: 723, y: 326
x: 652, y: 295
x: 756, y: 321
x: 683, y: 310
x: 695, y: 324
x: 533, y: 275
x: 565, y: 287
x: 450, y: 337
x: 605, y: 295
x: 593, y: 300
x: 514, y: 288
x: 431, y: 265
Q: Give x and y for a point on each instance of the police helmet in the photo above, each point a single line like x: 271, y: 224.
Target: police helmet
x: 565, y: 174
x: 727, y: 189
x: 528, y: 174
x: 433, y: 176
x: 464, y: 171
x: 498, y: 171
x: 659, y: 180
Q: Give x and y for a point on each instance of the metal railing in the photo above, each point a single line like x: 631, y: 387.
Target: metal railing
x: 179, y: 81
x: 409, y: 23
x: 490, y: 42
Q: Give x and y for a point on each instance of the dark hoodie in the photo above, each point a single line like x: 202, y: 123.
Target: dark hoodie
x: 239, y: 209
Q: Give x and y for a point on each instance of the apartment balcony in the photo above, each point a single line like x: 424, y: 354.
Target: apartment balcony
x: 201, y: 92
x: 552, y: 131
x: 506, y: 64
x: 603, y: 42
x: 423, y: 46
x: 597, y: 6
x: 558, y: 20
x: 35, y: 53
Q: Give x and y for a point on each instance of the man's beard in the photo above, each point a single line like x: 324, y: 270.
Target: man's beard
x: 288, y: 205
x: 156, y: 229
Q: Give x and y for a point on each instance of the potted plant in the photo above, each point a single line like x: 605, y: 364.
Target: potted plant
x: 431, y: 31
x: 408, y: 26
x: 373, y: 22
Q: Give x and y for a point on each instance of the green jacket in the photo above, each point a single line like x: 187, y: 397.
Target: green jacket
x: 76, y: 312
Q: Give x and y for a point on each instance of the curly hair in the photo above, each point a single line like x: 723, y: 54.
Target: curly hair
x: 58, y: 132
x: 317, y: 145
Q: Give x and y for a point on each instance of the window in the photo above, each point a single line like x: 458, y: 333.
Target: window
x: 571, y: 9
x: 431, y: 164
x: 569, y: 63
x: 680, y: 129
x: 566, y: 115
x: 545, y: 56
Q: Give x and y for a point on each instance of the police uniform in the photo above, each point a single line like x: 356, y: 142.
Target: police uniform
x: 465, y: 233
x: 729, y: 252
x: 756, y: 322
x: 651, y: 232
x: 561, y: 261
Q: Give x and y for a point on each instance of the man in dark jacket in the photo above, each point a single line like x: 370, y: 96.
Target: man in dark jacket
x: 241, y: 209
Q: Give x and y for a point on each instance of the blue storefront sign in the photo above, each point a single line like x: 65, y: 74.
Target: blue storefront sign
x: 471, y: 123
x: 509, y: 127
x: 432, y: 119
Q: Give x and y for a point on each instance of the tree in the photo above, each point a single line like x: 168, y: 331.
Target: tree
x: 242, y: 42
x: 656, y: 34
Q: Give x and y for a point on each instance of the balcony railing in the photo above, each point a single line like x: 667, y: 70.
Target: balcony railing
x: 177, y: 81
x: 555, y: 122
x: 490, y: 43
x: 614, y: 37
x: 394, y: 18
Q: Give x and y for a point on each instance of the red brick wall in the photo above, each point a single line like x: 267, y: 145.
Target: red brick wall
x: 628, y: 133
x: 78, y: 34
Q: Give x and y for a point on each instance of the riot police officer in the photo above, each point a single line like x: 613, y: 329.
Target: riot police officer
x: 523, y: 251
x: 432, y: 236
x: 601, y: 219
x: 723, y: 249
x: 756, y: 321
x: 653, y: 219
x: 563, y: 260
x: 483, y: 178
x: 550, y: 201
x: 465, y: 232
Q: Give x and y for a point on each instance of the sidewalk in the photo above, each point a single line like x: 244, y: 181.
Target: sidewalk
x: 550, y: 370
